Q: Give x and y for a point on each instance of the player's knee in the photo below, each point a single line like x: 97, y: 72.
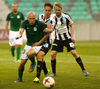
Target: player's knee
x: 53, y: 55
x: 74, y: 54
x: 29, y: 55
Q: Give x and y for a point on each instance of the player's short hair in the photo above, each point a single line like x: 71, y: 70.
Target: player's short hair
x: 14, y: 4
x: 48, y: 4
x: 58, y: 4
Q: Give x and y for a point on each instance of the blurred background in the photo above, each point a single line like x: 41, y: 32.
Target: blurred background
x: 84, y: 13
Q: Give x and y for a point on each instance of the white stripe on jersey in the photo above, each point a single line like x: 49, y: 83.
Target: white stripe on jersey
x: 61, y: 25
x: 62, y: 36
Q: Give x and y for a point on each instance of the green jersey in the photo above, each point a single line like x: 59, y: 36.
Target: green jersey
x: 15, y: 20
x: 34, y: 32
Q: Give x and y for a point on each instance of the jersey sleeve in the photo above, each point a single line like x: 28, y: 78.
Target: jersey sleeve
x: 52, y: 18
x: 70, y: 20
x: 43, y: 26
x: 23, y: 25
x: 8, y: 17
x: 40, y: 17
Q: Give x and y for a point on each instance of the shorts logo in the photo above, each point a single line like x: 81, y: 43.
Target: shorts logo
x: 71, y: 45
x: 55, y: 45
x: 35, y: 29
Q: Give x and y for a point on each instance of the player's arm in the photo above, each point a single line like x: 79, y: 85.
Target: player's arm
x: 49, y: 25
x: 72, y: 33
x: 48, y: 31
x: 20, y: 33
x: 6, y: 28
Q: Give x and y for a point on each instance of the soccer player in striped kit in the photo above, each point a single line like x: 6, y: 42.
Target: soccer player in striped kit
x: 64, y: 31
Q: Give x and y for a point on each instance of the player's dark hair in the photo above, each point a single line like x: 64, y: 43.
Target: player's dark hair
x: 48, y: 4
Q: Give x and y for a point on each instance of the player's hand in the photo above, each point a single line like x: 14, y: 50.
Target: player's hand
x: 73, y: 40
x: 49, y: 25
x: 18, y: 37
x: 36, y: 44
x: 43, y: 21
x: 48, y: 30
x: 6, y: 35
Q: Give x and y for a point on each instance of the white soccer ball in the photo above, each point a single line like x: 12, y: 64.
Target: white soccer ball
x: 48, y: 82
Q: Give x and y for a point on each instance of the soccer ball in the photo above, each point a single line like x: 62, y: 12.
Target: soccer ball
x: 48, y: 82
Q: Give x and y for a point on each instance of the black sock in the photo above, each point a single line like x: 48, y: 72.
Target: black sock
x: 44, y: 68
x: 79, y: 61
x: 39, y: 68
x: 53, y: 64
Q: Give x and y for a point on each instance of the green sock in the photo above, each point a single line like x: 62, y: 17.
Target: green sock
x: 12, y: 51
x: 32, y: 59
x: 18, y: 53
x: 20, y: 73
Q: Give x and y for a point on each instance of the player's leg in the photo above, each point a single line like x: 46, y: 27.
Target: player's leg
x: 32, y: 66
x: 31, y: 52
x: 18, y: 52
x: 79, y: 61
x: 19, y: 42
x: 46, y: 71
x: 21, y: 70
x: 24, y: 59
x: 40, y: 56
x: 53, y: 63
x: 12, y: 43
x: 71, y: 48
x: 57, y: 47
x: 45, y: 48
x: 13, y: 51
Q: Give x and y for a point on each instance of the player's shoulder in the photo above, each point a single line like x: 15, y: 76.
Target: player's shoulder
x: 25, y: 22
x: 20, y: 13
x: 66, y: 15
x: 52, y: 17
x: 39, y: 22
x: 40, y: 17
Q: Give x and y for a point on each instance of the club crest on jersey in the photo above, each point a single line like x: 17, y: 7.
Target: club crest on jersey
x: 18, y: 16
x: 35, y: 29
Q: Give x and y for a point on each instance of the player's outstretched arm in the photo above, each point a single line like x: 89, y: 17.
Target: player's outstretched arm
x: 44, y: 38
x: 20, y: 33
x: 48, y: 30
x: 49, y: 25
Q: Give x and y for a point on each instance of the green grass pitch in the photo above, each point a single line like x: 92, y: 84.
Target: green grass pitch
x: 69, y: 74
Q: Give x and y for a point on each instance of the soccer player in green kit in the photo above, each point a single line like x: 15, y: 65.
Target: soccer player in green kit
x: 15, y: 19
x: 35, y: 35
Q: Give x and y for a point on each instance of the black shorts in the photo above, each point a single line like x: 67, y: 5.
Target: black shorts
x: 58, y: 45
x: 45, y: 48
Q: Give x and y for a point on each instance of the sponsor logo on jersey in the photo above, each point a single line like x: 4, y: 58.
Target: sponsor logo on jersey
x: 35, y: 29
x: 18, y: 16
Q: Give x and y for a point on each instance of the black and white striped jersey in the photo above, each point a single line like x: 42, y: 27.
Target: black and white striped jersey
x: 61, y: 26
x: 42, y: 18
